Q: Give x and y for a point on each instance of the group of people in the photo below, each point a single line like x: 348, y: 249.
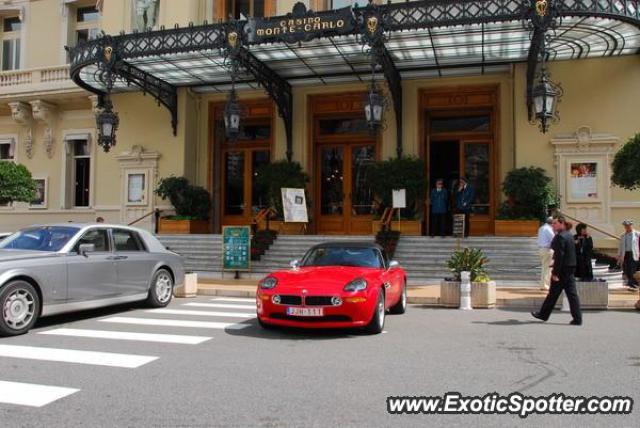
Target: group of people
x: 442, y: 206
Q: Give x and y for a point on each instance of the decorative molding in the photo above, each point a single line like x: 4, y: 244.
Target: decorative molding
x: 137, y: 154
x: 583, y: 140
x: 22, y: 115
x: 46, y: 113
x: 94, y: 104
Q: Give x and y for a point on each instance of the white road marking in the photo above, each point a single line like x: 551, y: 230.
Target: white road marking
x: 201, y: 313
x: 126, y: 335
x: 233, y: 299
x: 30, y: 394
x: 175, y: 323
x: 219, y: 305
x: 74, y: 356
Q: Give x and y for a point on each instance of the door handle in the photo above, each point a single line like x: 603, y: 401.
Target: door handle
x: 117, y: 258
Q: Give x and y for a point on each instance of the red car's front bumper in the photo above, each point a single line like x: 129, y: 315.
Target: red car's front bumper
x: 356, y: 310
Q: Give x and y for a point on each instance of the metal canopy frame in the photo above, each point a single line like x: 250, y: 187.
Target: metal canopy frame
x: 429, y: 38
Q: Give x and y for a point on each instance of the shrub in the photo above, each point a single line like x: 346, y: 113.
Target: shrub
x: 191, y: 202
x: 400, y: 173
x: 16, y: 183
x: 274, y: 176
x: 529, y: 194
x: 469, y: 260
x: 626, y: 165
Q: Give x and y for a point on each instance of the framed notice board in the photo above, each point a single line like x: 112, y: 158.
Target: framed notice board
x: 458, y: 225
x: 236, y: 248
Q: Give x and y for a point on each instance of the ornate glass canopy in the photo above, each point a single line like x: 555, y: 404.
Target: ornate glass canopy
x: 422, y: 39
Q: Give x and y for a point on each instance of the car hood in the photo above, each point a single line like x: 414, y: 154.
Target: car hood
x: 15, y: 255
x: 320, y: 276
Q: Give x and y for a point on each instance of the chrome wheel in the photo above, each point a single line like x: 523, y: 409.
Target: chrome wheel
x: 404, y: 297
x: 19, y: 308
x: 164, y: 287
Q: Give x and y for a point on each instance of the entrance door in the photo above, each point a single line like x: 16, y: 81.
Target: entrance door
x: 346, y: 201
x: 242, y: 199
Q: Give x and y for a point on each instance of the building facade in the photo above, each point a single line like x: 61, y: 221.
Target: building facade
x: 463, y: 107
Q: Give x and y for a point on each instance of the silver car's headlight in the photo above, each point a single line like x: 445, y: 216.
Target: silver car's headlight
x: 268, y: 283
x: 356, y: 285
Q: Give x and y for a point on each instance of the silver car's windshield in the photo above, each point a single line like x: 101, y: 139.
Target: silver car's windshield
x: 341, y: 256
x: 44, y: 238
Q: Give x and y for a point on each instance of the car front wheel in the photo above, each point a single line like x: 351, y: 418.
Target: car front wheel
x: 401, y: 306
x: 20, y: 308
x: 161, y: 290
x: 377, y: 321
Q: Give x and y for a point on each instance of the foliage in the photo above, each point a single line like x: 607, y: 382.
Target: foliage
x: 626, y: 165
x: 191, y: 202
x: 16, y: 183
x: 469, y: 260
x: 399, y: 173
x: 261, y: 241
x: 529, y: 193
x: 272, y: 177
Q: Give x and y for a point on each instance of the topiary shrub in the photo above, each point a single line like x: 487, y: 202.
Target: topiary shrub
x: 190, y: 202
x: 469, y: 260
x: 626, y: 165
x: 273, y: 177
x: 529, y: 194
x: 16, y: 183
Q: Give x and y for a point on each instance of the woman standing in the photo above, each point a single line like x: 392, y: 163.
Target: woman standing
x: 584, y: 253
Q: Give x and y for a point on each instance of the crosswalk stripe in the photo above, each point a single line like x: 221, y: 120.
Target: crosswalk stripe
x: 233, y: 299
x: 126, y: 335
x: 201, y: 313
x: 30, y: 394
x: 219, y: 305
x: 74, y: 356
x: 175, y: 323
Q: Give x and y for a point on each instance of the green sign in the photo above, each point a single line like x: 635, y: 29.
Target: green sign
x: 236, y: 248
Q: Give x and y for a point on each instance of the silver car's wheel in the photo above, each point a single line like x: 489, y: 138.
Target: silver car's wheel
x: 161, y: 290
x: 20, y: 305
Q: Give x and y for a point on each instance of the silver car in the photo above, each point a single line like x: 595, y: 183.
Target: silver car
x: 53, y: 269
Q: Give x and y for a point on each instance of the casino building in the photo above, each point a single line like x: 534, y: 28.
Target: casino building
x: 459, y: 81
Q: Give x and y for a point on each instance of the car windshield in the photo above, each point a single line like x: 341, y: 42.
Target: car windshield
x: 44, y: 238
x: 343, y: 256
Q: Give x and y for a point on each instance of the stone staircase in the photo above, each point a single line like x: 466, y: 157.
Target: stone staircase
x: 613, y: 277
x: 512, y: 261
x: 202, y: 253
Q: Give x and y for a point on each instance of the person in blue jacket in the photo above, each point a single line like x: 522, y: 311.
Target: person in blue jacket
x: 465, y: 196
x: 439, y: 208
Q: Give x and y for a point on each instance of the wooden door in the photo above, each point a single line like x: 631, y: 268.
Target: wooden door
x: 476, y: 162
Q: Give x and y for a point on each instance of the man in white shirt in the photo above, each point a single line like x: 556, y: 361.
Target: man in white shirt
x: 545, y: 236
x: 629, y: 252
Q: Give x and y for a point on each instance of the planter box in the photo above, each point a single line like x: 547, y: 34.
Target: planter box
x: 593, y: 295
x: 483, y: 294
x: 516, y: 227
x: 182, y: 227
x: 406, y: 227
x: 287, y: 228
x: 190, y: 286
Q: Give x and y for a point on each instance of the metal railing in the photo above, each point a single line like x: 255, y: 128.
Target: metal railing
x: 156, y: 213
x: 591, y: 226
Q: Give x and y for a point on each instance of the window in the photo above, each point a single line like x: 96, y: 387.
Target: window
x: 461, y: 124
x: 78, y: 173
x: 7, y: 150
x: 87, y: 27
x: 11, y: 43
x: 339, y: 4
x: 98, y: 237
x: 125, y: 240
x: 244, y: 8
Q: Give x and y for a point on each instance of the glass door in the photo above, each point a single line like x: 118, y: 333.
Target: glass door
x: 242, y: 197
x: 478, y: 169
x: 360, y: 199
x: 331, y: 186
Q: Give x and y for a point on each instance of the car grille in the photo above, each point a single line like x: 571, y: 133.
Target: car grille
x: 290, y: 300
x: 327, y: 318
x: 318, y: 301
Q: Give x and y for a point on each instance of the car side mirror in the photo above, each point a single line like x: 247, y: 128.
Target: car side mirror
x: 84, y: 249
x: 393, y: 264
x: 295, y: 264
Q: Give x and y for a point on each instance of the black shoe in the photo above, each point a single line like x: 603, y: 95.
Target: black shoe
x: 538, y: 316
x: 574, y: 322
x: 633, y: 286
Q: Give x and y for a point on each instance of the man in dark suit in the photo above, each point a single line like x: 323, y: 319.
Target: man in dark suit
x: 465, y: 196
x: 562, y: 276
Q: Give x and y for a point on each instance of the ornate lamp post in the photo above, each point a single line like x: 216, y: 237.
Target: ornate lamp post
x: 374, y: 105
x: 546, y: 96
x: 232, y: 114
x: 233, y: 110
x: 373, y: 39
x: 107, y: 120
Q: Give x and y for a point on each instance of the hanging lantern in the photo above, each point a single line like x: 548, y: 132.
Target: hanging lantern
x: 232, y: 114
x: 374, y: 108
x: 107, y: 122
x: 546, y: 96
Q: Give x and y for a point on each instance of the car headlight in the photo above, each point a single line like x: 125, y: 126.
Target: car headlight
x: 268, y: 283
x: 356, y: 285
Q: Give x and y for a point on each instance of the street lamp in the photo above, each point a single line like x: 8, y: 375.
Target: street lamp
x: 107, y: 122
x: 232, y: 114
x: 374, y: 107
x: 545, y: 99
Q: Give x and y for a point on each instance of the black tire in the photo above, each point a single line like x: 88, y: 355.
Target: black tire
x: 376, y: 325
x: 159, y: 295
x: 401, y: 306
x: 19, y: 306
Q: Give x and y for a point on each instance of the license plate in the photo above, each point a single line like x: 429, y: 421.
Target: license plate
x: 305, y: 312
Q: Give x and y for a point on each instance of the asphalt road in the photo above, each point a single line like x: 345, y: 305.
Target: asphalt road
x: 236, y: 374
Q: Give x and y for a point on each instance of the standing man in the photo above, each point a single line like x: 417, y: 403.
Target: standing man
x: 545, y: 236
x: 439, y: 208
x: 464, y: 200
x: 629, y: 253
x: 562, y: 275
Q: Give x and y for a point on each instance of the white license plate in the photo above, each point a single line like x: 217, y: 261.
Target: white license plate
x: 305, y: 312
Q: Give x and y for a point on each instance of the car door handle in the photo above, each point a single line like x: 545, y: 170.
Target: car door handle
x: 117, y: 257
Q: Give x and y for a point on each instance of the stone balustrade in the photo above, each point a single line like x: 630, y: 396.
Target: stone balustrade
x: 44, y: 79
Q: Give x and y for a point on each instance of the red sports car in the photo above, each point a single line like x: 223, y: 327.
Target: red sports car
x: 336, y: 285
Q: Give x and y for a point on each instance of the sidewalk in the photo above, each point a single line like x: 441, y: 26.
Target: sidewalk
x: 507, y: 297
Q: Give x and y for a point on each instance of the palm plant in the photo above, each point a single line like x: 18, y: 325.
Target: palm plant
x: 469, y: 260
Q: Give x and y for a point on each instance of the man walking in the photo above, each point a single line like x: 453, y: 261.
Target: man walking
x: 562, y: 275
x: 439, y: 208
x: 464, y: 200
x: 545, y: 236
x: 629, y: 253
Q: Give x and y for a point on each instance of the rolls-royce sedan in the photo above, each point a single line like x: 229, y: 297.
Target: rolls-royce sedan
x: 53, y: 269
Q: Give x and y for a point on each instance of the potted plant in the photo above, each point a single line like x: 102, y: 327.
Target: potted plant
x: 626, y: 173
x: 400, y: 173
x: 191, y: 203
x: 272, y: 178
x: 16, y: 184
x: 593, y: 294
x: 529, y: 196
x: 483, y: 290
